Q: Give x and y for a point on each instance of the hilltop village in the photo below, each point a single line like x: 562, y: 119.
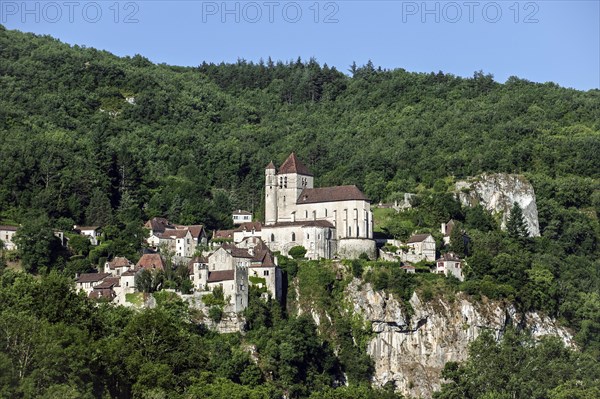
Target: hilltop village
x: 301, y: 221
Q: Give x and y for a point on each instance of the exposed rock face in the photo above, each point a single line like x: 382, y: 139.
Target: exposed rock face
x: 412, y: 351
x: 497, y: 193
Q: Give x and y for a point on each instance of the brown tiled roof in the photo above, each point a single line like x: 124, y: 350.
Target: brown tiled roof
x: 119, y: 261
x: 91, y: 277
x: 271, y: 165
x: 108, y: 282
x: 330, y: 194
x: 417, y: 238
x: 158, y: 224
x: 236, y: 252
x: 265, y: 258
x: 248, y: 226
x: 223, y: 234
x: 220, y: 275
x: 175, y: 233
x: 293, y: 165
x: 103, y: 293
x: 8, y: 228
x: 196, y: 230
x: 129, y: 273
x: 449, y: 256
x: 150, y: 261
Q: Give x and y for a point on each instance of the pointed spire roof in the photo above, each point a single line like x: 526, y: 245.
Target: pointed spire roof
x: 293, y: 165
x: 271, y: 165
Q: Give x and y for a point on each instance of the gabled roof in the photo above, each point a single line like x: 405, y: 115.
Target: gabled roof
x: 119, y: 261
x: 195, y: 229
x: 175, y: 233
x: 249, y: 226
x: 220, y: 275
x: 271, y: 165
x: 158, y: 224
x: 150, y: 261
x: 91, y: 277
x: 236, y: 252
x: 330, y: 194
x: 8, y: 228
x: 223, y: 234
x: 293, y: 165
x: 417, y: 238
x: 108, y: 282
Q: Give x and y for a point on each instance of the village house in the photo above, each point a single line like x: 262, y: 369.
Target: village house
x: 240, y: 216
x: 7, y: 234
x: 250, y: 229
x: 263, y: 271
x: 179, y: 239
x: 117, y: 266
x: 420, y: 247
x: 150, y: 262
x: 450, y: 265
x: 87, y: 281
x: 327, y: 221
x: 92, y: 232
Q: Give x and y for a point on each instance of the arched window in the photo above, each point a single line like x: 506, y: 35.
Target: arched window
x: 272, y: 237
x: 349, y: 231
x: 325, y: 212
x: 357, y: 231
x: 305, y: 214
x: 308, y: 236
x: 293, y: 236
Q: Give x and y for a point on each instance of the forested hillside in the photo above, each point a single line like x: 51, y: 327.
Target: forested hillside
x: 90, y: 138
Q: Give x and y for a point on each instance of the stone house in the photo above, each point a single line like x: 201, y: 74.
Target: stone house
x: 420, y: 247
x: 118, y: 266
x: 446, y: 230
x: 450, y: 264
x: 87, y: 281
x: 7, y: 234
x: 263, y: 271
x: 249, y: 229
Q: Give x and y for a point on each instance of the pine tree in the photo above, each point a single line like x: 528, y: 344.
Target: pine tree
x: 516, y: 225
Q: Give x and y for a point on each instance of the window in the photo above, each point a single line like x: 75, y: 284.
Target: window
x: 272, y: 237
x: 266, y: 273
x: 285, y: 182
x: 357, y: 231
x: 305, y: 214
x: 349, y: 231
x: 307, y: 236
x: 293, y: 236
x: 325, y: 212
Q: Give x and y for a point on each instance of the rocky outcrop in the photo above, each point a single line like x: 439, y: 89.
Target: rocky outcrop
x: 411, y: 351
x: 497, y: 193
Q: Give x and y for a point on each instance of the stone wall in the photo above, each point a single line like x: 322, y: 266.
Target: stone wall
x: 352, y: 248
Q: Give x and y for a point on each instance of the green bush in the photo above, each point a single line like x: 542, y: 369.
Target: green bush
x: 297, y: 252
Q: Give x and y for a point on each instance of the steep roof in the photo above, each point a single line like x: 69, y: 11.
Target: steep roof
x: 249, y: 226
x: 91, y: 277
x: 195, y: 229
x: 119, y: 261
x: 237, y: 252
x: 223, y: 234
x: 158, y: 224
x: 330, y: 194
x: 150, y: 261
x: 271, y: 165
x: 175, y: 233
x: 293, y: 165
x: 220, y: 275
x: 417, y: 238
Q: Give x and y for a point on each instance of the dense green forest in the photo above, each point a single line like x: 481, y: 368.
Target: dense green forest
x: 90, y: 138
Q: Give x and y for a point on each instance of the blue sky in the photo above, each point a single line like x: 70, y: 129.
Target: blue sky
x: 541, y: 41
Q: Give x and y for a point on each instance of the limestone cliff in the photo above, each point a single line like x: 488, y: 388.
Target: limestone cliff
x: 497, y: 193
x: 411, y: 351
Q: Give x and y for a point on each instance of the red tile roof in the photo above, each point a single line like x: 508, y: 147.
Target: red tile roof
x: 236, y: 252
x: 91, y: 277
x: 8, y: 228
x: 220, y: 275
x: 108, y: 282
x: 330, y: 194
x: 158, y: 224
x: 196, y: 230
x: 175, y: 233
x: 293, y: 165
x: 150, y: 261
x: 271, y: 165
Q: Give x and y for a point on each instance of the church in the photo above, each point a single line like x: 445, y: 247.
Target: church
x: 330, y: 222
